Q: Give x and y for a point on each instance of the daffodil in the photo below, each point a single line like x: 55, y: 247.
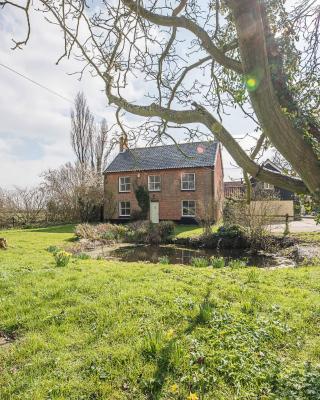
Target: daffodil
x: 169, y: 334
x: 192, y: 396
x: 174, y: 388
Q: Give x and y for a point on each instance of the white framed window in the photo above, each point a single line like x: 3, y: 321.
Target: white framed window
x: 268, y: 186
x: 124, y: 209
x: 188, y: 181
x: 188, y: 208
x: 154, y: 183
x: 124, y: 184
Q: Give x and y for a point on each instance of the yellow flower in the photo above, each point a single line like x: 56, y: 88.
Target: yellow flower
x: 174, y: 388
x: 192, y: 396
x: 169, y: 334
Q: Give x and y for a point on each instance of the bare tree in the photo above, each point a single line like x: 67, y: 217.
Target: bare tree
x: 91, y: 143
x: 206, y: 212
x: 27, y: 205
x: 74, y: 193
x: 82, y: 129
x: 101, y: 147
x: 200, y: 58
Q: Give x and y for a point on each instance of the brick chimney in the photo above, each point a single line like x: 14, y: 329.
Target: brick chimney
x: 123, y: 143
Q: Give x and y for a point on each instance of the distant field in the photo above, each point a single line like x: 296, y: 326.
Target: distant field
x: 111, y: 330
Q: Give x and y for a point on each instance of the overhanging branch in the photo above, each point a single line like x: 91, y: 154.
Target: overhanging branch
x: 200, y: 115
x: 182, y: 22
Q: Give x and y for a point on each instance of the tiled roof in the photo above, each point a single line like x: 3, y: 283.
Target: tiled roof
x: 187, y: 155
x: 233, y: 184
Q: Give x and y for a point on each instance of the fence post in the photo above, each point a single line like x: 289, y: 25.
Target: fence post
x: 286, y: 229
x: 13, y: 222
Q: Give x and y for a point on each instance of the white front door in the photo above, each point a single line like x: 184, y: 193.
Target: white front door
x: 154, y: 212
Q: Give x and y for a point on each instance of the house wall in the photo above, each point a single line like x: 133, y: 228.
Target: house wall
x: 171, y: 195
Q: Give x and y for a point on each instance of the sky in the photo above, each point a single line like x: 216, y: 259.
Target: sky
x: 35, y: 123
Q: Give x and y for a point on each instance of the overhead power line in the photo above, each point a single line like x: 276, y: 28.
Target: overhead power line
x: 36, y: 83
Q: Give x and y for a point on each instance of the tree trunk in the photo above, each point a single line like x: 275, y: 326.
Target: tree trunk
x: 280, y: 130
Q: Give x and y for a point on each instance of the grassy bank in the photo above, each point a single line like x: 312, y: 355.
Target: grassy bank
x: 107, y: 330
x: 184, y: 231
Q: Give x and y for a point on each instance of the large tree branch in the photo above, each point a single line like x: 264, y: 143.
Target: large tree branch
x: 200, y: 115
x: 277, y: 126
x: 182, y: 22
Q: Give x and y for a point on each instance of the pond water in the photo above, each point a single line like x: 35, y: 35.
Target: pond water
x: 183, y: 255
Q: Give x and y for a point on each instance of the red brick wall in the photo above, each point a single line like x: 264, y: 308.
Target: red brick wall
x: 171, y: 195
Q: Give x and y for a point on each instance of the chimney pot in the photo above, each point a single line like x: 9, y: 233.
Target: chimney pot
x: 123, y: 144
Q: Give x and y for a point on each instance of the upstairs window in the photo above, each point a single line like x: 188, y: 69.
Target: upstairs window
x: 154, y: 183
x: 188, y: 182
x: 124, y: 184
x: 268, y: 186
x: 188, y: 208
x: 124, y: 209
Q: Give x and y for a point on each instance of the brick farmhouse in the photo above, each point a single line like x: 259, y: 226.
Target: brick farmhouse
x: 183, y: 181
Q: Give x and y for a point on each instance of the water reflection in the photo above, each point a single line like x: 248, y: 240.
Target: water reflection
x: 182, y: 255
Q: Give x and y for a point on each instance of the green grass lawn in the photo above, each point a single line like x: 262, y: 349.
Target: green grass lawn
x: 111, y: 330
x: 185, y: 231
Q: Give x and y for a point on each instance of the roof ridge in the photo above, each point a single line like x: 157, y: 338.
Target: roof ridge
x: 179, y: 144
x: 166, y: 157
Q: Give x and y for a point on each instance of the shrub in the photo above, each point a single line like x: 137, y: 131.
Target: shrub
x: 137, y: 215
x: 237, y: 263
x: 85, y: 231
x: 147, y: 232
x: 199, y: 262
x: 217, y: 262
x: 164, y: 260
x: 62, y: 258
x: 231, y: 231
x: 143, y: 199
x: 153, y: 234
x: 100, y: 231
x: 120, y: 231
x: 108, y: 235
x: 166, y: 230
x: 53, y: 249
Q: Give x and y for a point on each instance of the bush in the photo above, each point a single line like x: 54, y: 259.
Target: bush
x: 137, y: 215
x: 108, y: 235
x: 199, y: 262
x: 164, y: 260
x: 217, y: 262
x: 166, y: 230
x: 108, y: 232
x: 232, y: 231
x: 62, y: 258
x: 85, y: 231
x: 147, y: 232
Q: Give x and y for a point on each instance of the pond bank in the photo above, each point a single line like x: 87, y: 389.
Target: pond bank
x: 174, y: 254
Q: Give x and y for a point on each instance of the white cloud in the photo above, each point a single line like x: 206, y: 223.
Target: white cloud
x: 33, y: 119
x: 34, y: 128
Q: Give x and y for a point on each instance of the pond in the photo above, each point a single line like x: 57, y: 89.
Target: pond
x: 184, y: 255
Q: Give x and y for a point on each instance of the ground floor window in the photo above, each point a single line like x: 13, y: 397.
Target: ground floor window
x: 188, y: 208
x: 124, y: 208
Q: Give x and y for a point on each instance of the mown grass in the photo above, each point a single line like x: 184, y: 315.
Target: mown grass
x: 185, y: 231
x: 111, y: 330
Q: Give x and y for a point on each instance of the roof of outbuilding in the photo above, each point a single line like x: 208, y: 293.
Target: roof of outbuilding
x: 234, y: 184
x: 185, y: 155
